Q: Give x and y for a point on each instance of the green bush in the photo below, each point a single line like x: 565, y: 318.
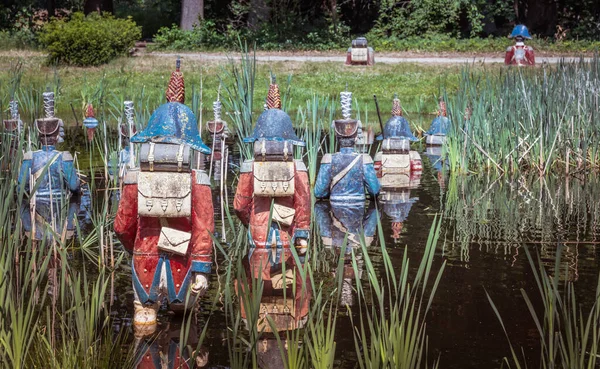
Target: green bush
x: 17, y: 39
x: 203, y: 36
x: 207, y: 36
x: 88, y: 41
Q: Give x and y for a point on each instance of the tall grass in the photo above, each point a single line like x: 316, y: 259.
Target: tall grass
x: 569, y: 333
x: 391, y: 329
x: 538, y: 120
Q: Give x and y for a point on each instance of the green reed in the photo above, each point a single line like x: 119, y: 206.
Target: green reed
x: 391, y: 329
x: 238, y: 83
x: 569, y: 332
x: 538, y: 120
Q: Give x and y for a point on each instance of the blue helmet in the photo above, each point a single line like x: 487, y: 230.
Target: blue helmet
x: 172, y: 123
x: 520, y: 30
x: 439, y: 126
x: 274, y: 125
x: 397, y: 127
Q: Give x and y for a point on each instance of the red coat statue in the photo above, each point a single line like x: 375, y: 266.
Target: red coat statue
x: 520, y: 54
x: 166, y: 216
x: 273, y: 176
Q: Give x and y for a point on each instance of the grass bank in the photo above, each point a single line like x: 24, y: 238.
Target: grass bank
x: 144, y: 80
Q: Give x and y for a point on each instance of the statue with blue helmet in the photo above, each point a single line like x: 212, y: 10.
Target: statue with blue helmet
x: 519, y: 54
x: 396, y: 160
x: 165, y: 216
x: 343, y: 176
x: 273, y: 198
x: 48, y: 173
x: 436, y: 134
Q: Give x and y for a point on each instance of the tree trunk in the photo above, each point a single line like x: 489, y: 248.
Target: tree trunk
x: 51, y: 8
x: 191, y: 12
x: 98, y: 6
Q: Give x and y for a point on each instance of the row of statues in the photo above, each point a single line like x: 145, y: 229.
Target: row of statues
x: 165, y: 216
x: 518, y: 54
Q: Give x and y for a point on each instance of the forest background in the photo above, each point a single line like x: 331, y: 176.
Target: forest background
x: 420, y: 25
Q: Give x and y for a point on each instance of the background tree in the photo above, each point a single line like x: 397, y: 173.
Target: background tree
x: 192, y: 11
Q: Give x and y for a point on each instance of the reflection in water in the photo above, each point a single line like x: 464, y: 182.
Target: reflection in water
x: 165, y: 350
x: 440, y: 166
x: 499, y: 216
x: 283, y: 303
x: 347, y: 225
x: 397, y: 201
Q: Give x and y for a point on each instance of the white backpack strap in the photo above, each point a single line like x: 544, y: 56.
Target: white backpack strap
x: 180, y: 158
x: 151, y: 156
x: 338, y: 177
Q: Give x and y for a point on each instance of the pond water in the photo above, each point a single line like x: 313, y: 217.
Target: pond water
x: 487, y: 224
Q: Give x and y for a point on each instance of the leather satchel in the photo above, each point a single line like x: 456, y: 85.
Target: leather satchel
x: 274, y: 178
x: 164, y: 194
x: 174, y: 241
x: 283, y: 214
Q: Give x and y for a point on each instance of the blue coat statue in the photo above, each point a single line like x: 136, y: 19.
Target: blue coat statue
x: 343, y: 176
x: 52, y: 171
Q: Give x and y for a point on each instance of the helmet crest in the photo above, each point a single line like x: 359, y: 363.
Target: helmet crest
x: 274, y: 124
x: 176, y: 88
x: 442, y: 112
x: 273, y: 97
x: 396, y: 108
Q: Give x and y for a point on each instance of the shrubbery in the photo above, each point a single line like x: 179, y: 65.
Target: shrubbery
x: 17, y: 39
x: 207, y: 36
x: 88, y: 41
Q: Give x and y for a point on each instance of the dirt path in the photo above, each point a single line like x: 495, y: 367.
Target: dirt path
x: 379, y: 58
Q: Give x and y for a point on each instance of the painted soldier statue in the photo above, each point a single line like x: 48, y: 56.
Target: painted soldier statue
x: 274, y: 178
x: 360, y: 53
x: 124, y: 160
x: 396, y: 159
x: 436, y: 134
x: 343, y: 176
x: 165, y: 216
x: 519, y: 53
x: 218, y: 135
x: 51, y: 170
x: 51, y: 220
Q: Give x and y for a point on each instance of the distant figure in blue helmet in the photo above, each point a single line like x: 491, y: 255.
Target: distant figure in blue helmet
x: 436, y: 135
x: 343, y: 176
x: 519, y: 53
x: 396, y: 159
x: 53, y: 170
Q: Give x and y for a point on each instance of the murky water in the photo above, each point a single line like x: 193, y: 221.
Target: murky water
x: 487, y: 223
